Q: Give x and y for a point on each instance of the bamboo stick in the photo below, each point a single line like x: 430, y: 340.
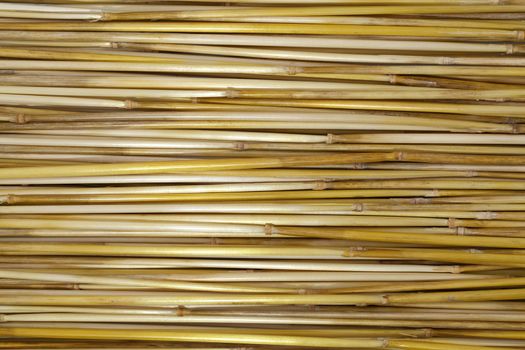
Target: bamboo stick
x: 53, y: 275
x: 91, y: 262
x: 190, y: 165
x: 187, y: 336
x: 193, y: 299
x: 125, y: 80
x: 508, y: 95
x: 188, y: 197
x: 444, y: 184
x: 405, y: 237
x: 221, y: 122
x: 133, y: 282
x: 270, y: 28
x: 474, y: 295
x: 514, y: 111
x: 484, y: 334
x: 257, y: 69
x: 200, y: 319
x: 129, y: 93
x: 308, y: 11
x: 228, y: 196
x: 410, y: 344
x: 102, y: 44
x: 480, y: 2
x: 475, y: 256
x: 497, y: 282
x: 32, y: 100
x: 321, y: 56
x: 43, y: 8
x: 428, y: 21
x: 247, y: 40
x: 435, y: 138
x: 296, y: 252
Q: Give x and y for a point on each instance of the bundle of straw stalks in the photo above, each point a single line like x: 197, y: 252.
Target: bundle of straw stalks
x: 262, y: 174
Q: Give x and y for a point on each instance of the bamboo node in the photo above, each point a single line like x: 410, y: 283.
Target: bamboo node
x: 293, y: 70
x: 384, y: 299
x: 3, y: 318
x: 452, y: 223
x: 415, y: 336
x: 231, y: 93
x: 350, y: 252
x: 240, y: 146
x: 330, y: 139
x: 20, y: 118
x: 115, y: 45
x: 181, y: 312
x: 320, y: 185
x: 428, y: 332
x: 392, y: 79
x: 7, y: 199
x: 129, y: 104
x: 474, y: 251
x: 472, y: 173
x: 455, y: 269
x: 511, y: 49
x: 447, y: 60
x: 420, y: 200
x: 460, y: 231
x: 384, y: 342
x: 359, y: 207
x: 103, y: 16
x: 269, y: 229
x: 520, y: 35
x: 400, y: 156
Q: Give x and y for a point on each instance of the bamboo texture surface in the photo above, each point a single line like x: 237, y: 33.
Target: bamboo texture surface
x: 262, y: 174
